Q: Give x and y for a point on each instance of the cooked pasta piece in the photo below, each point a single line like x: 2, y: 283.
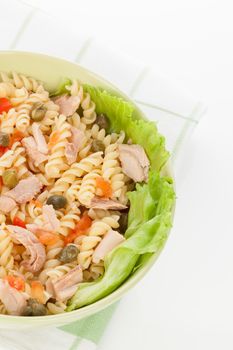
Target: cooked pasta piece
x: 20, y: 80
x: 88, y: 187
x: 56, y: 308
x: 6, y: 246
x: 65, y: 160
x: 68, y: 220
x: 89, y: 114
x: 52, y: 261
x: 88, y: 242
x: 57, y: 162
x: 8, y: 121
x: 76, y: 171
x: 112, y: 170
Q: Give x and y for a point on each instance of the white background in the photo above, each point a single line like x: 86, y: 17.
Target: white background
x: 185, y: 301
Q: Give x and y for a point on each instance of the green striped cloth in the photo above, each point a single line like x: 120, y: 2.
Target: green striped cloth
x: 175, y: 112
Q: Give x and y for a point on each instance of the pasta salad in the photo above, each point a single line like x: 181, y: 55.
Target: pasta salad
x: 82, y: 200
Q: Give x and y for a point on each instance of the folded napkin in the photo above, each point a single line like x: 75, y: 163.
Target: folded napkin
x: 176, y: 113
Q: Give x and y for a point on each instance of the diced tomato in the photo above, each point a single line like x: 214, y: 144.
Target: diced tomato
x: 54, y: 138
x: 5, y: 105
x: 47, y: 238
x: 3, y: 150
x: 15, y: 282
x: 81, y: 228
x: 16, y: 136
x: 104, y: 186
x: 83, y: 224
x: 70, y: 237
x: 18, y: 222
x: 37, y: 291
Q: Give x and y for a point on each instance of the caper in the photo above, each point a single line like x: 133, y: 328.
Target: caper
x: 68, y: 254
x: 27, y: 311
x: 131, y: 186
x: 39, y: 309
x: 123, y: 222
x: 4, y: 139
x: 97, y: 146
x: 10, y: 178
x: 34, y: 308
x: 57, y: 201
x: 32, y: 301
x: 38, y: 112
x: 102, y: 121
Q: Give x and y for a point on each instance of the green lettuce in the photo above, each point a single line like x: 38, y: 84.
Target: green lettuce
x: 62, y: 88
x: 122, y: 117
x: 148, y: 236
x: 151, y: 204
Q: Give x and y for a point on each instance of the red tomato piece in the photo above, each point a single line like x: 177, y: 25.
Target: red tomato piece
x: 15, y: 282
x: 5, y: 105
x: 18, y: 222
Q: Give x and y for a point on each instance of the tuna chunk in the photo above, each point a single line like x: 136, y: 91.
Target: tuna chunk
x: 51, y: 221
x: 68, y: 104
x: 72, y: 147
x: 32, y: 151
x: 33, y: 246
x: 26, y: 190
x: 13, y: 300
x: 39, y: 138
x: 65, y: 286
x: 111, y: 240
x: 7, y: 204
x: 106, y: 204
x: 134, y: 162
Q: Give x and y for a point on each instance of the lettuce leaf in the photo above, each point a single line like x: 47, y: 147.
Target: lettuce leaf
x: 148, y: 236
x: 121, y: 116
x: 151, y: 204
x: 62, y: 88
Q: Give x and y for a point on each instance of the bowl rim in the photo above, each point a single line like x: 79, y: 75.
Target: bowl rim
x: 76, y: 315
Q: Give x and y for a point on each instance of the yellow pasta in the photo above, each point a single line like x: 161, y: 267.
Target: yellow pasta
x: 58, y: 213
x: 6, y: 246
x: 57, y: 162
x: 8, y: 121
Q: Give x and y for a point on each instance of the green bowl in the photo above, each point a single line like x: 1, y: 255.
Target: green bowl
x: 51, y: 70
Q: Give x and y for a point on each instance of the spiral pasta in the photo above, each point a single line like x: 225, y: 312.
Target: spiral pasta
x: 75, y: 89
x: 51, y: 116
x: 56, y: 162
x: 60, y: 270
x: 39, y: 144
x: 100, y: 134
x: 56, y: 308
x: 88, y: 187
x: 14, y: 158
x: 112, y: 170
x: 24, y: 102
x: 7, y: 89
x: 68, y: 221
x: 52, y: 252
x: 20, y: 80
x: 6, y: 246
x: 76, y: 121
x: 8, y: 121
x: 76, y: 171
x: 89, y: 114
x: 98, y: 229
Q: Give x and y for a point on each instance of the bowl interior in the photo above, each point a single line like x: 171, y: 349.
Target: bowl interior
x: 51, y: 70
